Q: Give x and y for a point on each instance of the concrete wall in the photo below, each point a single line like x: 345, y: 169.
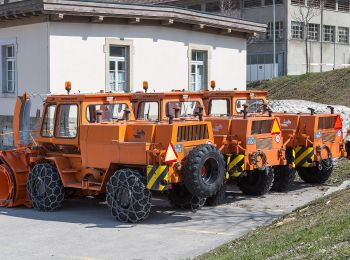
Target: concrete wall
x: 160, y: 56
x: 32, y: 63
x: 296, y: 54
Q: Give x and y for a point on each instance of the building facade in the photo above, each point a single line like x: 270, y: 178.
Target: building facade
x: 116, y: 47
x: 326, y: 30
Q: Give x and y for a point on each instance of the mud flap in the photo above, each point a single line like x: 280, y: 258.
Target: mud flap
x: 235, y: 165
x: 14, y: 172
x: 21, y: 121
x: 157, y: 177
x: 304, y: 156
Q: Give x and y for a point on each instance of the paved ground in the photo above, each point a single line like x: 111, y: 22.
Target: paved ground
x: 85, y: 230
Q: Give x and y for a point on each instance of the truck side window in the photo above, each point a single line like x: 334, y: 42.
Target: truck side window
x: 148, y: 111
x: 67, y: 121
x: 48, y: 123
x: 219, y: 107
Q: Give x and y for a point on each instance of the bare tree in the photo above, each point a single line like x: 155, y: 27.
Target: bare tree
x: 230, y: 8
x: 304, y: 14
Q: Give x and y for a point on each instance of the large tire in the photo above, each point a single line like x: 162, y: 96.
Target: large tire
x: 128, y: 199
x: 219, y: 198
x: 181, y: 198
x: 257, y: 182
x: 45, y: 188
x: 204, y: 171
x: 317, y: 174
x: 283, y: 178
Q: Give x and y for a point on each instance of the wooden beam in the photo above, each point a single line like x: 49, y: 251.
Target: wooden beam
x: 57, y: 17
x: 97, y: 19
x: 198, y: 27
x: 167, y: 22
x: 134, y: 20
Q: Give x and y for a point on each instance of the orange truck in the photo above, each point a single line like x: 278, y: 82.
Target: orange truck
x: 251, y: 145
x: 311, y: 140
x: 93, y: 145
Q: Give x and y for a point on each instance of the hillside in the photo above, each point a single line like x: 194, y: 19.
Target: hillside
x: 331, y: 87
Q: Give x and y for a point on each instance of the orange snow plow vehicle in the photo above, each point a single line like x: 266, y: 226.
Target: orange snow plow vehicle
x: 92, y: 145
x: 251, y: 145
x: 312, y: 140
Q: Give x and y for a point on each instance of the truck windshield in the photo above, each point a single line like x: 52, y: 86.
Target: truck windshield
x: 109, y: 112
x: 219, y: 107
x: 187, y: 108
x: 148, y: 111
x: 254, y: 105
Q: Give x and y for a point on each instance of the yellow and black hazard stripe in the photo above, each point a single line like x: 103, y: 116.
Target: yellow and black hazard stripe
x: 290, y: 156
x: 235, y: 163
x: 157, y: 177
x: 304, y: 156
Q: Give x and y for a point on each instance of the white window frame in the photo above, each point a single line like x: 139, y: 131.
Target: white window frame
x: 206, y: 63
x: 343, y: 35
x: 116, y: 60
x: 313, y: 31
x: 7, y: 60
x: 278, y: 30
x: 3, y: 67
x: 297, y: 30
x: 128, y: 44
x: 328, y: 33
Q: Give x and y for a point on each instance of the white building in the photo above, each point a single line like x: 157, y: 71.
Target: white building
x: 115, y: 47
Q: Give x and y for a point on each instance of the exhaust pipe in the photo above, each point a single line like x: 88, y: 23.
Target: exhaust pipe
x: 331, y: 108
x: 200, y: 113
x: 312, y: 110
x: 177, y: 112
x: 245, y: 111
x: 127, y: 114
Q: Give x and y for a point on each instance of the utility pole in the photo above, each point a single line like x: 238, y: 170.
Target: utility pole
x: 274, y: 38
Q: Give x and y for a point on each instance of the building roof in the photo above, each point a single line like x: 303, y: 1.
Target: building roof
x: 97, y: 11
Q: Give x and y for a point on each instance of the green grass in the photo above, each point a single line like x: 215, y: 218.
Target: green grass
x: 340, y: 173
x: 320, y: 230
x: 331, y: 87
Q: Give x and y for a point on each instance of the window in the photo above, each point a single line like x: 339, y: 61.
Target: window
x: 148, y: 111
x: 195, y: 7
x: 343, y: 34
x: 219, y: 107
x: 270, y: 2
x: 314, y: 3
x: 297, y: 30
x: 254, y: 105
x: 118, y: 68
x: 48, y: 123
x: 251, y: 3
x: 278, y: 30
x: 198, y: 70
x: 298, y: 2
x: 67, y: 121
x: 344, y: 5
x: 213, y: 7
x: 187, y: 108
x: 330, y: 4
x: 9, y: 68
x: 261, y: 127
x: 328, y: 33
x: 312, y: 32
x: 109, y: 112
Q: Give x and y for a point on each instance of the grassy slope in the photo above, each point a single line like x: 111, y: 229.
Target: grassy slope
x: 320, y: 230
x: 331, y: 87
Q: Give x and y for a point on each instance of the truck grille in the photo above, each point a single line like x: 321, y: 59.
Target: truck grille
x: 192, y: 133
x: 262, y: 144
x: 328, y: 137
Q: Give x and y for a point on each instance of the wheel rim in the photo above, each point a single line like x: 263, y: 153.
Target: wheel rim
x: 123, y: 197
x: 209, y: 171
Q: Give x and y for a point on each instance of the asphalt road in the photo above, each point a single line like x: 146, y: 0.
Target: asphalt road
x: 83, y: 229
